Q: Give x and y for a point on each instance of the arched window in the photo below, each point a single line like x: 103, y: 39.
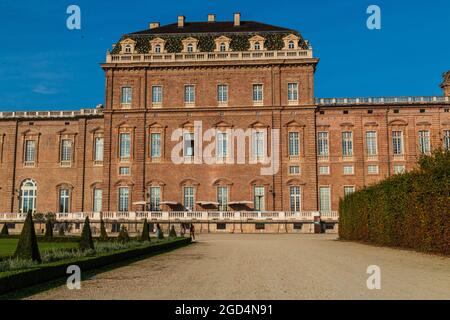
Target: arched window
x: 291, y: 45
x: 257, y: 46
x: 127, y: 48
x: 222, y: 47
x: 28, y: 196
x: 190, y: 47
x: 158, y: 48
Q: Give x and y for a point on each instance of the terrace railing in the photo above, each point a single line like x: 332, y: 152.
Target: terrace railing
x: 382, y: 100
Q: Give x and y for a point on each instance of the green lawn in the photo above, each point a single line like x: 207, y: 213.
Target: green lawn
x: 8, y: 246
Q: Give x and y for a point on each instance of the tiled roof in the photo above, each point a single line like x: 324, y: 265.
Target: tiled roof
x: 212, y: 27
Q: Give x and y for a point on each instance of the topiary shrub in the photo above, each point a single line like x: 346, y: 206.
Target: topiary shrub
x: 172, y: 233
x: 48, y: 230
x: 86, y: 242
x: 27, y: 248
x: 123, y: 235
x: 145, y: 232
x: 103, y: 234
x: 5, y: 231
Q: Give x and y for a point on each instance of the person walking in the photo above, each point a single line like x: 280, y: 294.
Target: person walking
x: 192, y: 231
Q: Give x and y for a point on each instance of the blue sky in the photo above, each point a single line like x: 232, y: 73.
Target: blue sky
x: 45, y: 66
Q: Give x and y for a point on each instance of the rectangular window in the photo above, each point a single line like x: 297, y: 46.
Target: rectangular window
x: 98, y: 152
x: 258, y: 144
x: 322, y: 144
x: 324, y: 199
x: 125, y: 146
x: 259, y: 198
x: 98, y: 195
x: 124, y: 195
x: 424, y: 142
x: 124, y: 171
x: 349, y: 170
x: 155, y: 145
x: 189, y: 198
x: 324, y: 170
x: 294, y: 170
x: 66, y: 151
x: 292, y: 91
x: 372, y: 169
x: 188, y: 145
x: 348, y: 190
x: 446, y: 140
x: 157, y: 94
x: 189, y: 94
x: 30, y: 152
x: 371, y: 143
x: 222, y: 145
x: 222, y: 93
x: 295, y: 198
x: 399, y: 169
x: 63, y: 200
x: 126, y: 95
x: 155, y: 199
x: 397, y: 142
x: 222, y: 198
x: 257, y: 93
x: 347, y: 144
x: 294, y: 144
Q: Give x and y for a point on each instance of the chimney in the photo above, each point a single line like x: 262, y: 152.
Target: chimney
x: 446, y: 84
x: 153, y: 25
x: 181, y: 21
x: 211, y: 17
x: 237, y: 19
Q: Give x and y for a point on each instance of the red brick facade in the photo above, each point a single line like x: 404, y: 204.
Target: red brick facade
x: 308, y: 116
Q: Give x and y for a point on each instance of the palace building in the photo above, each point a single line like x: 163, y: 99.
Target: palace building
x: 243, y: 89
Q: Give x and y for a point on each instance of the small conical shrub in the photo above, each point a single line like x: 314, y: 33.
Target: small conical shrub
x: 123, y: 235
x: 159, y: 233
x: 172, y: 233
x: 61, y: 231
x: 103, y: 233
x: 5, y: 231
x: 86, y: 241
x: 48, y: 230
x: 27, y: 248
x: 145, y: 232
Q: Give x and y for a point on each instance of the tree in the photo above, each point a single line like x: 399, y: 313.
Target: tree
x: 145, y: 232
x: 103, y: 233
x: 27, y: 248
x: 48, y: 230
x: 5, y: 231
x: 86, y: 241
x: 123, y: 235
x: 172, y: 233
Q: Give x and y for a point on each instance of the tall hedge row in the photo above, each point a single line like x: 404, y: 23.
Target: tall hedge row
x: 409, y: 210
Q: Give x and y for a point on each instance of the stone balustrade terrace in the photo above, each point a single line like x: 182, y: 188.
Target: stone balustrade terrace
x: 383, y: 101
x: 51, y: 114
x: 185, y: 216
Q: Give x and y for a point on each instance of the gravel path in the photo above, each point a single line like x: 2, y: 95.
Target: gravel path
x: 270, y: 267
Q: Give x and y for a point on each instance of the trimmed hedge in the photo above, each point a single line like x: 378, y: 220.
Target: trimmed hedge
x: 410, y: 210
x: 16, y: 280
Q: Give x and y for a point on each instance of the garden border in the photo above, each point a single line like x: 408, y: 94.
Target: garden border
x: 16, y: 280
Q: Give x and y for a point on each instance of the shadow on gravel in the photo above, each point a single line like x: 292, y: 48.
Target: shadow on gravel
x: 25, y: 293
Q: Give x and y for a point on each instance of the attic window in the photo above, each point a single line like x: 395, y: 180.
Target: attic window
x: 127, y: 48
x: 257, y: 46
x: 190, y: 47
x: 158, y: 48
x: 291, y: 45
x: 223, y: 48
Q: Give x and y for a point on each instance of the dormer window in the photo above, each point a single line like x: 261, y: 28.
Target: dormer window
x: 291, y: 45
x: 158, y: 48
x: 257, y: 46
x: 157, y: 45
x: 190, y: 47
x: 222, y: 44
x: 223, y: 48
x: 257, y: 43
x: 128, y: 46
x: 291, y: 42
